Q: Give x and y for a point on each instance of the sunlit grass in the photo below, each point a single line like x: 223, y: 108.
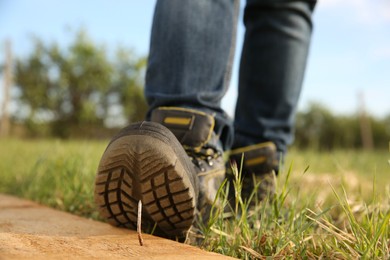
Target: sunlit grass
x: 332, y: 205
x: 300, y: 227
x: 55, y: 173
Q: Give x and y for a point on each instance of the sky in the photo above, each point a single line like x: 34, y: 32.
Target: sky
x: 349, y: 55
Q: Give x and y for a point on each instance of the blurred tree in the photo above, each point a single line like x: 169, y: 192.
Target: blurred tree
x: 130, y: 74
x: 318, y: 128
x: 7, y: 82
x: 76, y: 87
x: 381, y: 132
x: 32, y: 80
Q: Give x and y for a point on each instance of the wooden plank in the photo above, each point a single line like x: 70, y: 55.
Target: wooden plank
x: 32, y: 231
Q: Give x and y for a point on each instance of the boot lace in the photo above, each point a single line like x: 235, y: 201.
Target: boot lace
x: 206, y: 154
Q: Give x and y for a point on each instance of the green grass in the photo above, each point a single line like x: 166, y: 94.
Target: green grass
x: 331, y: 205
x: 55, y: 173
x: 296, y: 225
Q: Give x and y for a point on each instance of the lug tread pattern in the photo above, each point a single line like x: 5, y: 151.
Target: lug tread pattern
x: 126, y: 176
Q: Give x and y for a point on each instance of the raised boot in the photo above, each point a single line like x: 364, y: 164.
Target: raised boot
x: 146, y: 162
x: 195, y: 131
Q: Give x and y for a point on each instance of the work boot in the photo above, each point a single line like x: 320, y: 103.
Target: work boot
x: 195, y: 131
x: 259, y: 165
x: 146, y: 162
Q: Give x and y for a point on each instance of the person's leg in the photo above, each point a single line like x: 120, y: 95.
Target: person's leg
x: 190, y: 59
x: 271, y: 73
x: 272, y: 67
x: 173, y: 161
x: 188, y: 73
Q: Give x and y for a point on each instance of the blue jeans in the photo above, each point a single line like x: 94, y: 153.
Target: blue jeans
x: 190, y: 60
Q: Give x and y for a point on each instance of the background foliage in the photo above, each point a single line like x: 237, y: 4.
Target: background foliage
x: 319, y: 128
x: 84, y: 90
x: 65, y: 91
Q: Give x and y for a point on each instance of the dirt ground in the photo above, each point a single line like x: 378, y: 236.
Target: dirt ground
x: 31, y: 231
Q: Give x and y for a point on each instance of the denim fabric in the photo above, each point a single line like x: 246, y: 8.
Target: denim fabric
x: 191, y: 52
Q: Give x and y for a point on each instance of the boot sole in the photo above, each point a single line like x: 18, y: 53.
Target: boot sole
x: 146, y: 162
